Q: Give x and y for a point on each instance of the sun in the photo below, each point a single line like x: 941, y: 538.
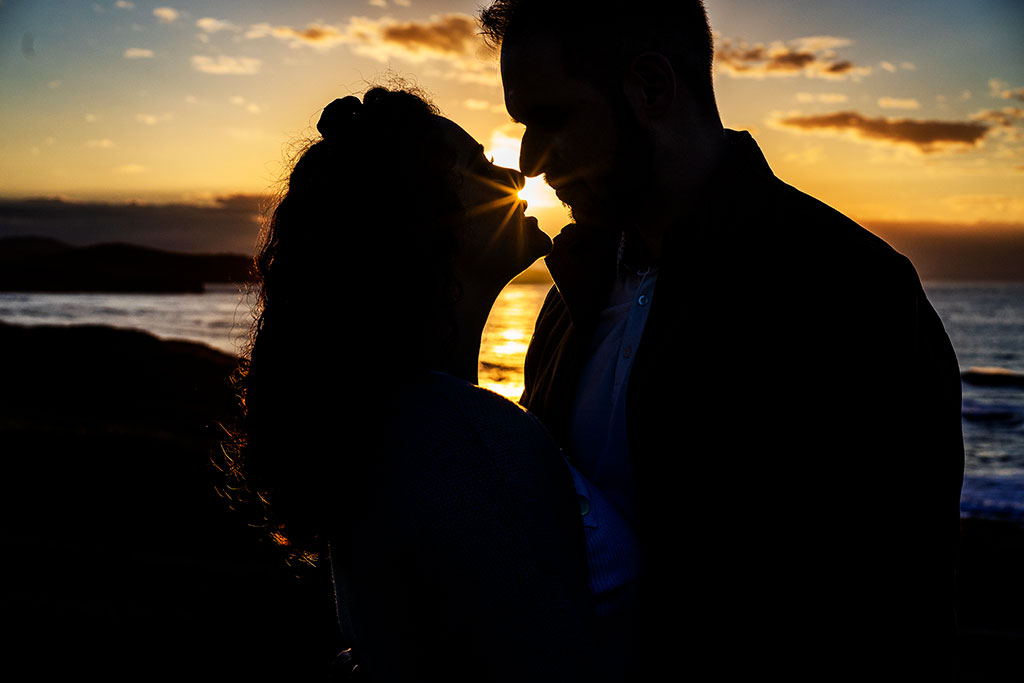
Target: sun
x: 538, y: 193
x: 504, y: 150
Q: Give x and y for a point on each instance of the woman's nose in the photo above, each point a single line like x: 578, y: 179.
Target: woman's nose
x: 518, y: 179
x: 513, y: 178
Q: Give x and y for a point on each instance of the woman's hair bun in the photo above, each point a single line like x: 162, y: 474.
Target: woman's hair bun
x: 337, y: 115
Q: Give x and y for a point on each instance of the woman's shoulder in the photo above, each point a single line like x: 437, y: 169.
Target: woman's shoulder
x: 476, y: 521
x: 448, y: 434
x: 439, y: 402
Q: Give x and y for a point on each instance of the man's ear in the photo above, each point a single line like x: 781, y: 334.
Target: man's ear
x: 650, y: 85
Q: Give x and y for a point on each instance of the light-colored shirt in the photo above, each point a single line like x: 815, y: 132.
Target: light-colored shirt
x: 599, y: 445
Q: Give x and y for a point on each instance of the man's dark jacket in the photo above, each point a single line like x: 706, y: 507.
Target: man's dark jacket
x: 793, y: 417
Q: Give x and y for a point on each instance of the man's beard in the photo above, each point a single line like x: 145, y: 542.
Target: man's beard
x: 623, y: 189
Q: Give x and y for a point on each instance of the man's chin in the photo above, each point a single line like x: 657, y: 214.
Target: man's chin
x: 590, y: 215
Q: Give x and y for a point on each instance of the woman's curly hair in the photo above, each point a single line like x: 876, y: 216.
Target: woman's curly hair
x: 355, y: 293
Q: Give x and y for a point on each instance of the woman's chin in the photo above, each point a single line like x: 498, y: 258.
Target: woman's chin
x: 539, y: 239
x: 515, y: 255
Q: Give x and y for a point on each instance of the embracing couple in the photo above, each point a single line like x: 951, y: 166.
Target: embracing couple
x: 740, y: 454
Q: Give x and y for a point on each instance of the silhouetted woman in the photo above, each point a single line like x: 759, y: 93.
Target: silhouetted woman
x: 451, y: 518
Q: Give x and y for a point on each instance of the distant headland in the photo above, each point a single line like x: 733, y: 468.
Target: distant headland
x: 39, y: 264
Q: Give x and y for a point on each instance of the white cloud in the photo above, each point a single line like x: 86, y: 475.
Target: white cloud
x: 898, y: 103
x: 888, y: 66
x: 137, y: 53
x: 105, y: 143
x: 379, y: 3
x: 166, y: 15
x: 824, y: 97
x: 250, y: 107
x: 1002, y: 89
x: 908, y: 66
x: 404, y: 3
x: 211, y: 25
x: 124, y: 4
x: 91, y: 118
x: 224, y: 64
x: 153, y: 119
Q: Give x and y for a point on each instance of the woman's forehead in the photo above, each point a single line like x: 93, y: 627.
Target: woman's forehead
x: 464, y: 143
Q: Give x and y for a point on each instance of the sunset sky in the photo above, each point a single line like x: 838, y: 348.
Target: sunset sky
x: 908, y: 111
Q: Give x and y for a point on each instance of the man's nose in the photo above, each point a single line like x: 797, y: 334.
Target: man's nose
x: 532, y: 154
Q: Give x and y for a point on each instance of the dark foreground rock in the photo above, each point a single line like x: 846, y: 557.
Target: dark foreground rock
x: 121, y: 560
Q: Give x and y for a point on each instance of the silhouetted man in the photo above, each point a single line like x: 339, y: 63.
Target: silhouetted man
x: 758, y: 382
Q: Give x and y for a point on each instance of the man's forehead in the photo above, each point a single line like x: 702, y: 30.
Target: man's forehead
x: 530, y: 67
x: 523, y: 55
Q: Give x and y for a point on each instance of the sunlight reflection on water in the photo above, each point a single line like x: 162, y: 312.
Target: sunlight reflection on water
x: 505, y: 338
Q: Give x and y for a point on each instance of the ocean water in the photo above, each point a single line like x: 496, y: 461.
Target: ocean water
x: 985, y: 322
x: 220, y: 317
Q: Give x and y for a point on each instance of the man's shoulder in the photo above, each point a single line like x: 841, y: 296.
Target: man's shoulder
x: 819, y: 225
x: 773, y: 218
x: 807, y: 238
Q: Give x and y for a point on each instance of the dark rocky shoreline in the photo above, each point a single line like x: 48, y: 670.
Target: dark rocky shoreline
x: 124, y: 561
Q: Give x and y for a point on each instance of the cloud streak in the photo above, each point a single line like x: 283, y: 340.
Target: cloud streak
x: 813, y: 57
x: 453, y: 38
x: 225, y: 65
x: 452, y: 34
x: 898, y: 103
x: 211, y: 25
x: 824, y: 97
x: 314, y: 35
x: 137, y: 53
x: 926, y: 136
x: 1002, y: 89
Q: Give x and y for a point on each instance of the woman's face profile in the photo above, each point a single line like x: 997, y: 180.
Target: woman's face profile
x: 498, y: 241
